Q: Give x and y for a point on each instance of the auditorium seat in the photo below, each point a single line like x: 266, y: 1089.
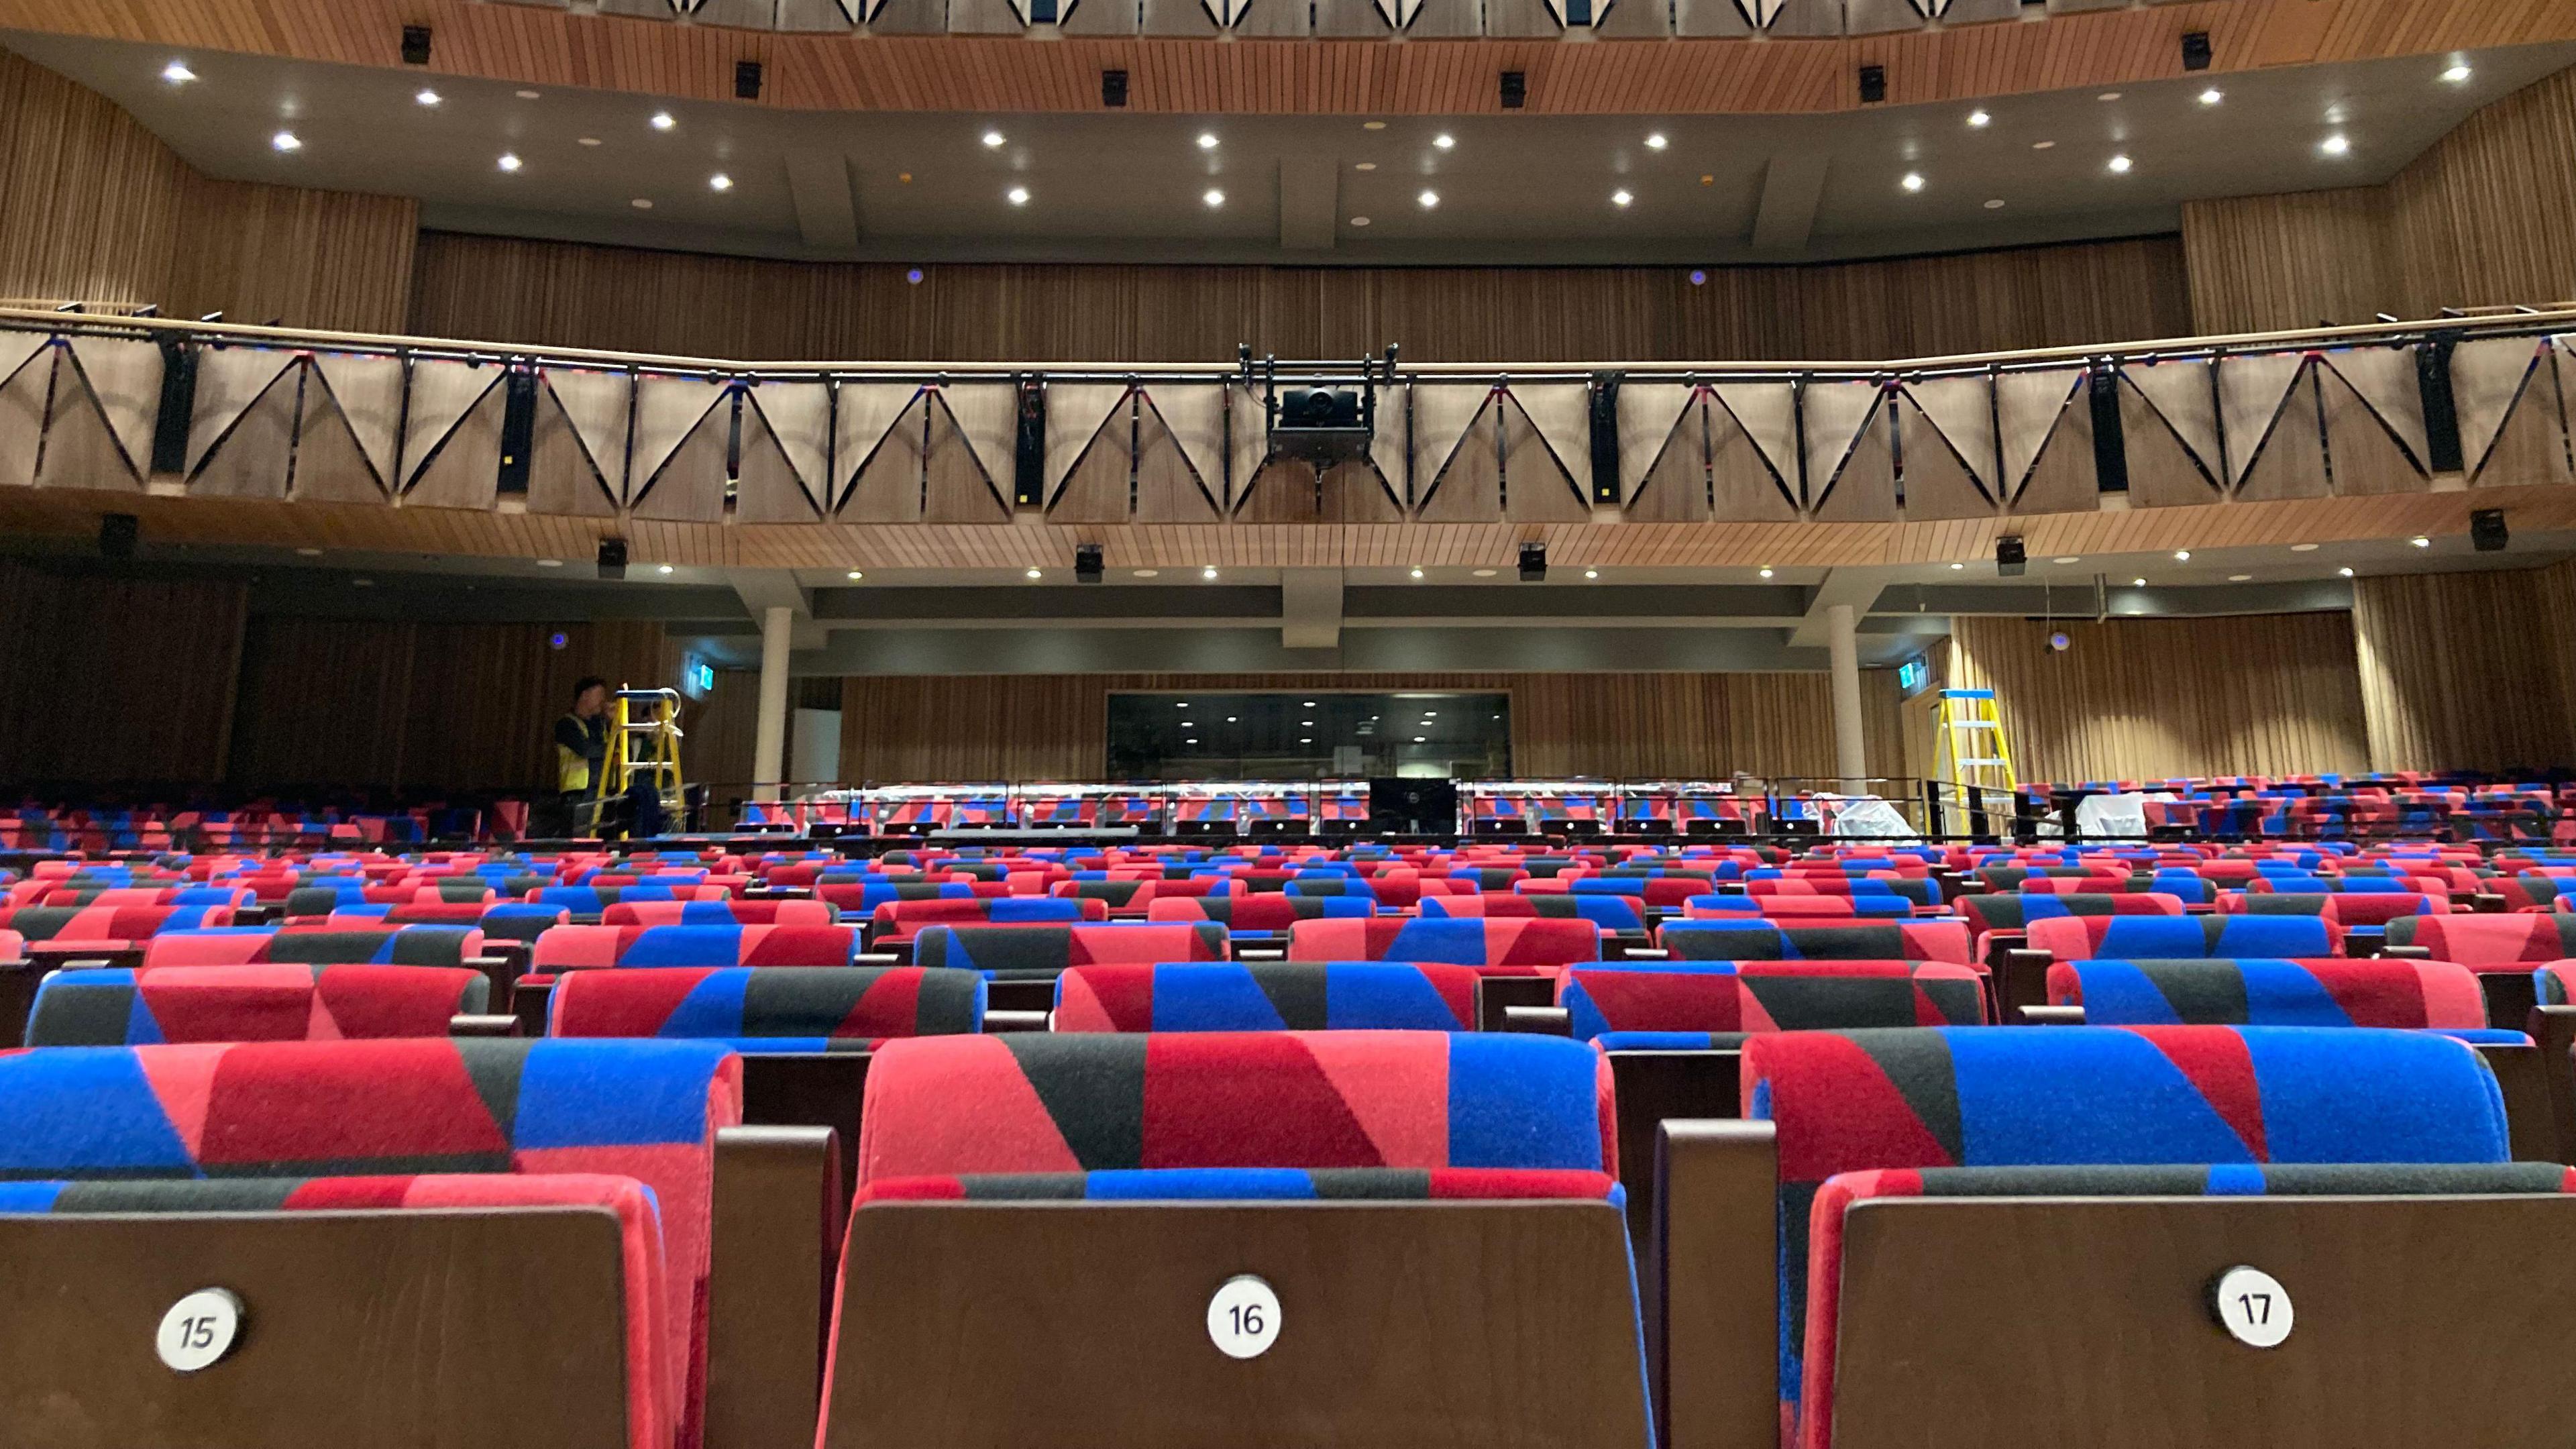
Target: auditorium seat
x: 1615, y: 915
x: 895, y: 924
x: 1714, y: 1004
x: 1464, y: 1279
x: 1520, y: 947
x: 284, y: 1002
x: 1267, y: 996
x: 1133, y: 897
x: 769, y: 1009
x: 2348, y: 909
x: 720, y: 913
x: 2480, y: 941
x: 2084, y: 938
x: 2371, y: 991
x: 1763, y: 940
x: 1793, y: 908
x: 1042, y: 952
x: 318, y: 945
x: 573, y: 948
x: 1260, y: 913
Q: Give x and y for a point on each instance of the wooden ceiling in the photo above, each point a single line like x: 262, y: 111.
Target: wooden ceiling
x: 358, y: 529
x: 1432, y: 77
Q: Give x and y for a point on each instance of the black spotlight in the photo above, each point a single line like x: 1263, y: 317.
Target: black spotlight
x: 2195, y: 50
x: 2010, y: 560
x: 415, y: 47
x: 746, y: 80
x: 1533, y: 563
x: 118, y: 533
x: 2487, y: 532
x: 1086, y: 563
x: 1113, y: 89
x: 612, y: 558
x: 1515, y: 89
x: 1873, y: 84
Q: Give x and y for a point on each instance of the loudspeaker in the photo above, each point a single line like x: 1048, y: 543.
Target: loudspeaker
x: 518, y: 429
x: 118, y: 533
x: 1028, y: 450
x: 2195, y: 50
x: 1113, y: 89
x: 612, y: 558
x: 1873, y: 84
x: 2010, y: 560
x: 1533, y: 563
x: 1086, y: 563
x: 1515, y: 89
x: 2487, y: 533
x: 415, y: 45
x: 1413, y: 807
x: 746, y: 80
x: 1605, y: 437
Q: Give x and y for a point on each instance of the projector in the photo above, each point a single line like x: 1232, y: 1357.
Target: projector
x: 1320, y: 424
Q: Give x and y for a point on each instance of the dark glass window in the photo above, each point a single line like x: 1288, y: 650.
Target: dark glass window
x: 1309, y: 735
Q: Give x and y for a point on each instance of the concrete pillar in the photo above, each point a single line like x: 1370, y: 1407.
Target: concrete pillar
x: 1851, y: 760
x: 769, y: 736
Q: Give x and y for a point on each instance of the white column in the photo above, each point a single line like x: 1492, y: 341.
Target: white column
x: 1850, y: 759
x: 769, y: 736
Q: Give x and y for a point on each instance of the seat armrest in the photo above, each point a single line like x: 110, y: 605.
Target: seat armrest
x: 1712, y: 1332
x: 2022, y: 980
x: 777, y: 1235
x: 2052, y: 1016
x: 2407, y: 953
x: 1018, y: 1020
x: 476, y: 1024
x: 1537, y: 1020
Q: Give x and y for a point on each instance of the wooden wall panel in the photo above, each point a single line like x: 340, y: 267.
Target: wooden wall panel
x: 2469, y: 670
x: 115, y: 680
x: 2486, y: 216
x: 1617, y: 726
x: 572, y: 295
x: 2271, y: 694
x: 95, y: 208
x: 717, y: 749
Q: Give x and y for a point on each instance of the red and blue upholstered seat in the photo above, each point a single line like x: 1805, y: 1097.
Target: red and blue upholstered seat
x: 647, y: 1110
x: 862, y: 897
x: 2085, y: 938
x: 726, y: 912
x: 1513, y: 947
x: 1238, y: 1115
x: 1268, y: 996
x: 1609, y: 912
x: 898, y: 921
x: 1136, y: 895
x: 1040, y: 952
x: 1849, y: 908
x: 1762, y: 940
x: 1261, y: 911
x: 1714, y: 1004
x: 760, y: 1009
x: 520, y: 920
x: 2206, y: 1109
x: 2481, y: 942
x: 316, y: 945
x: 109, y: 924
x: 2345, y: 907
x: 590, y: 900
x: 288, y: 1002
x: 2015, y: 910
x: 570, y: 948
x: 2367, y: 991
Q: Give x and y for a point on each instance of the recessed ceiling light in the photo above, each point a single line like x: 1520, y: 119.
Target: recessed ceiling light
x: 1766, y: 573
x: 177, y: 73
x: 1019, y: 195
x: 1656, y: 142
x: 509, y: 161
x: 642, y: 203
x: 2141, y: 583
x: 2120, y: 164
x: 1209, y: 572
x: 1958, y: 566
x: 2212, y: 96
x: 1417, y: 573
x: 1181, y: 706
x: 1429, y: 199
x: 993, y: 138
x: 2346, y: 572
x: 855, y: 576
x: 550, y: 563
x: 2041, y: 145
x: 1592, y: 573
x: 427, y: 97
x: 1484, y: 573
x: 308, y: 553
x: 2336, y: 144
x: 1422, y: 739
x: 1230, y: 719
x: 2240, y: 578
x: 2456, y: 74
x: 2303, y: 548
x: 1207, y: 140
x: 2182, y: 555
x: 1372, y: 125
x: 527, y: 95
x: 664, y: 569
x: 362, y: 583
x: 586, y: 140
x: 1365, y: 166
x: 1359, y: 221
x: 1994, y: 203
x: 1213, y: 197
x: 1305, y: 739
x: 662, y: 121
x: 1310, y: 704
x: 1037, y: 573
x: 1147, y: 573
x: 1444, y: 141
x: 1913, y: 181
x: 720, y: 182
x: 1979, y: 118
x: 2108, y: 96
x: 285, y: 141
x: 2420, y: 541
x: 1620, y: 198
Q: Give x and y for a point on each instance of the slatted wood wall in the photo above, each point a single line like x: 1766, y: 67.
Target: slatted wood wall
x: 2486, y: 216
x: 115, y: 680
x: 2469, y: 670
x: 95, y: 208
x: 2263, y: 694
x: 573, y: 295
x: 1055, y: 727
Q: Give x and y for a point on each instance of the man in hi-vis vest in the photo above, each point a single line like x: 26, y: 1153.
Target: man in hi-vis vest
x: 581, y: 757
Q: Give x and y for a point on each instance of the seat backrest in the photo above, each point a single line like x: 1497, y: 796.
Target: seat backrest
x: 2483, y: 940
x: 251, y: 1003
x: 2366, y: 991
x: 1263, y: 911
x: 572, y: 947
x: 1527, y: 946
x: 111, y: 923
x: 720, y: 913
x: 2012, y: 910
x: 1620, y: 1008
x: 1267, y: 996
x: 2083, y: 938
x: 813, y: 1008
x: 1040, y: 951
x: 1849, y: 1102
x: 1752, y: 940
x: 382, y: 946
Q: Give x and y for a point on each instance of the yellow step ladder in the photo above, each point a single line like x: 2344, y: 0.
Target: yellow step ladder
x: 1969, y: 746
x: 645, y: 741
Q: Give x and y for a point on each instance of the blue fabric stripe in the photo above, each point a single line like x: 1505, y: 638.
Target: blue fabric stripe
x: 713, y: 1007
x: 1522, y: 1101
x: 2430, y: 1098
x: 30, y: 1197
x: 2045, y: 1098
x: 1198, y: 1183
x: 594, y: 1093
x: 685, y: 946
x: 1220, y: 998
x: 74, y: 1111
x: 1387, y: 996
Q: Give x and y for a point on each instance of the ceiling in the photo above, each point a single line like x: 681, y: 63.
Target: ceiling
x: 926, y: 186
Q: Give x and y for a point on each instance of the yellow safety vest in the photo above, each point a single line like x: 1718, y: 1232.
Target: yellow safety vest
x: 572, y: 768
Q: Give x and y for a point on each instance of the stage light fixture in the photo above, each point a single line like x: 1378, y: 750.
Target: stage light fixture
x: 1515, y: 89
x: 1113, y: 89
x: 2195, y: 50
x: 118, y: 533
x: 1086, y: 563
x: 1533, y: 563
x: 746, y: 80
x: 1873, y: 84
x: 2010, y: 557
x: 415, y: 45
x: 2487, y: 533
x: 612, y: 558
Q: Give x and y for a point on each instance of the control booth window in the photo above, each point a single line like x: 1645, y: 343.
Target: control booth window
x: 1311, y: 734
